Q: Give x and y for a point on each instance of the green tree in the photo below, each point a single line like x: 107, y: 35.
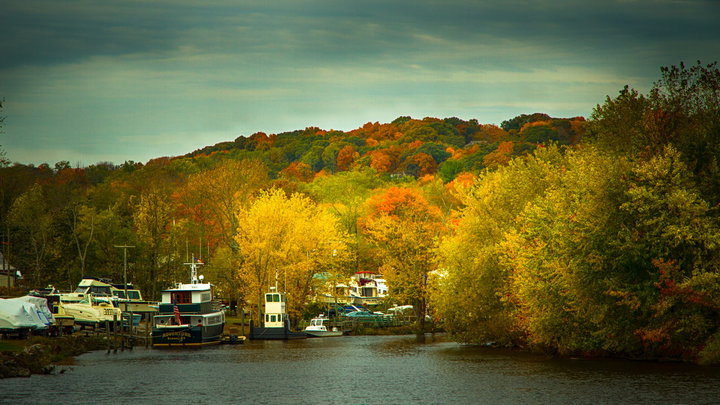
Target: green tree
x: 82, y: 227
x: 151, y: 219
x: 3, y: 156
x: 472, y: 294
x: 345, y: 194
x: 30, y: 214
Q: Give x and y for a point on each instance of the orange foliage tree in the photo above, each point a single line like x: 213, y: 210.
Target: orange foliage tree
x: 500, y: 156
x: 404, y: 228
x: 346, y: 157
x: 298, y: 171
x: 420, y: 164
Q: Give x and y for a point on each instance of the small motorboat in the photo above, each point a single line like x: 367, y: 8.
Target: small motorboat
x: 320, y: 327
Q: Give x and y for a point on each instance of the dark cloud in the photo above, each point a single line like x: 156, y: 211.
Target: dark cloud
x: 223, y: 66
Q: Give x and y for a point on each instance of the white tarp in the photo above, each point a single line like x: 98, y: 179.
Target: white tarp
x: 25, y: 312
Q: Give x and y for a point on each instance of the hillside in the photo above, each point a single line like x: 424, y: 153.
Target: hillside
x: 405, y: 146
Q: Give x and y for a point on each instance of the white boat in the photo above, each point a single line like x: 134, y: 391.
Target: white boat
x: 134, y: 301
x: 320, y: 327
x: 24, y: 315
x: 91, y: 310
x: 88, y: 285
x: 275, y: 323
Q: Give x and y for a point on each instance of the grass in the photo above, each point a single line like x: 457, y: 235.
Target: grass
x: 13, y: 345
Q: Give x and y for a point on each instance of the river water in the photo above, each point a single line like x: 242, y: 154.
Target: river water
x: 359, y: 370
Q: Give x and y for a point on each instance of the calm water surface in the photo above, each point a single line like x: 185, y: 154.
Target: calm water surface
x: 359, y: 370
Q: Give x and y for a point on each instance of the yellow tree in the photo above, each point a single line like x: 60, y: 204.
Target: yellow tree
x: 284, y: 241
x: 405, y: 228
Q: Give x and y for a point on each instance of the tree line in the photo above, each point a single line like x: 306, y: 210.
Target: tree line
x: 574, y: 236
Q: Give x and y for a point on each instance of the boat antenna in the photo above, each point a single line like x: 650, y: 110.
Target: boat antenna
x: 193, y: 269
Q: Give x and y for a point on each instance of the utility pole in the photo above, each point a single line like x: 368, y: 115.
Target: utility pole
x: 125, y: 248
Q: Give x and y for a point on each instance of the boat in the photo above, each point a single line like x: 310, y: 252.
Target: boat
x: 24, y: 316
x: 187, y: 315
x: 276, y: 324
x: 63, y: 323
x: 98, y: 287
x: 320, y: 327
x: 91, y: 310
x: 129, y: 299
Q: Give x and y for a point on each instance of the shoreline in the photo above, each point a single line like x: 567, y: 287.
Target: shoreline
x: 41, y: 355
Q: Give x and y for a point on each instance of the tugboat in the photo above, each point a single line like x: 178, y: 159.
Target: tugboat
x: 187, y: 315
x: 276, y: 324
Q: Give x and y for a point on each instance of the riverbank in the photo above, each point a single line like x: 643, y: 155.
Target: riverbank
x: 41, y: 355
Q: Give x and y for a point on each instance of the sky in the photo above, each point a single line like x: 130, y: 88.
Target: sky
x: 90, y: 81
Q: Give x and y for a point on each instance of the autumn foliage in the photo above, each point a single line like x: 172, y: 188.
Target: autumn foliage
x: 567, y: 235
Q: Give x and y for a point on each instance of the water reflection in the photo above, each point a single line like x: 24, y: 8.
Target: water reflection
x: 360, y: 370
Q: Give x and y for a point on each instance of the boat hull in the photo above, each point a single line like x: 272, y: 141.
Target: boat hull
x: 185, y: 335
x: 275, y: 333
x: 323, y: 333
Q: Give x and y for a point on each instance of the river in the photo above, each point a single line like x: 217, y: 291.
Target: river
x: 359, y: 370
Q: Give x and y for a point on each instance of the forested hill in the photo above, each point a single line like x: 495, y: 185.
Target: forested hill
x: 45, y: 208
x: 415, y: 147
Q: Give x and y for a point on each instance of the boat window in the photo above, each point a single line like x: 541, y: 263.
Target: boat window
x: 134, y: 295
x: 100, y: 290
x: 273, y: 318
x: 181, y: 297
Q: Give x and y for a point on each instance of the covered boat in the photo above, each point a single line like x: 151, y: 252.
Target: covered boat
x: 187, y: 315
x: 24, y: 315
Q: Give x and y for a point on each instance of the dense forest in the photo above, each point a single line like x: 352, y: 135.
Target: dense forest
x: 572, y: 236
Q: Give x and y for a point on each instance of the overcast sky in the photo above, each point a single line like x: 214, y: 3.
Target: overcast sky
x: 90, y: 81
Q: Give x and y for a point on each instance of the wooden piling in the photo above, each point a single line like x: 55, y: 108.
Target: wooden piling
x: 115, y: 330
x: 107, y: 335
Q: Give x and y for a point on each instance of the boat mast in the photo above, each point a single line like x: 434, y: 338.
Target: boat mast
x: 193, y: 270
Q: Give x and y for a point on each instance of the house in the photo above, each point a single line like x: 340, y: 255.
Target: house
x: 8, y: 273
x: 363, y: 288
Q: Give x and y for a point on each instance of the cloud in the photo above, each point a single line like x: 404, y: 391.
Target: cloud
x: 149, y: 79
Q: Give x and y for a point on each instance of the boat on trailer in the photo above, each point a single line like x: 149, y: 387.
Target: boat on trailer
x: 187, y: 315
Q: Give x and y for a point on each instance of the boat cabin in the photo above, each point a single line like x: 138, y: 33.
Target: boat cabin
x: 319, y: 322
x: 187, y: 294
x: 133, y: 295
x: 94, y: 286
x: 189, y: 298
x: 275, y: 309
